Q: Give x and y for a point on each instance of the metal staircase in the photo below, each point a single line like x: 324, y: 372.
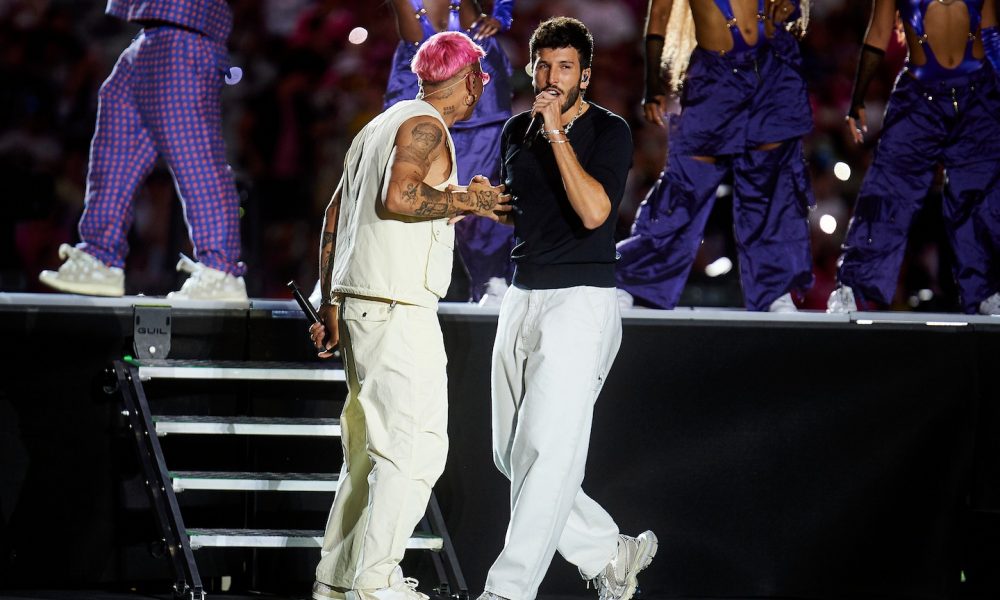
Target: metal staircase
x: 164, y: 485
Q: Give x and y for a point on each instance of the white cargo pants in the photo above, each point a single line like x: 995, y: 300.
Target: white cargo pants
x: 552, y: 352
x: 394, y: 430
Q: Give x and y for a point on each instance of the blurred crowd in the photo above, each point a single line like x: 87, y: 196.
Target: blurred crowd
x: 313, y: 75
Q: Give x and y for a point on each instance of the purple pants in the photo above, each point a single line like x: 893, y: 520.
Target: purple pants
x: 484, y: 245
x: 922, y: 128
x: 163, y: 100
x: 731, y: 106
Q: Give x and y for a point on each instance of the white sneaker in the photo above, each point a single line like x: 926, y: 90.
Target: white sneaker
x: 322, y: 591
x: 841, y: 300
x: 490, y: 596
x: 784, y: 304
x: 496, y: 288
x: 625, y: 299
x: 618, y: 580
x: 206, y: 283
x: 400, y: 588
x: 990, y: 306
x: 84, y: 274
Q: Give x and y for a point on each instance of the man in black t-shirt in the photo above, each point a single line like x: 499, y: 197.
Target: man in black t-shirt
x: 565, y: 163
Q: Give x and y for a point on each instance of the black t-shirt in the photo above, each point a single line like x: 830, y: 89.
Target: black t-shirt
x: 552, y: 247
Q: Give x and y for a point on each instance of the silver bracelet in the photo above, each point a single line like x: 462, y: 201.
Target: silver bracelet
x: 548, y: 131
x: 558, y: 141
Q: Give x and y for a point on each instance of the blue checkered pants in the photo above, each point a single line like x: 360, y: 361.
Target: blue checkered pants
x: 163, y: 100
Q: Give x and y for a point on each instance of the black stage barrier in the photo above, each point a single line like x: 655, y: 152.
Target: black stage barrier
x: 796, y: 457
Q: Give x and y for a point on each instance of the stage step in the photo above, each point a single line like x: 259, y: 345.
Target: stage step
x: 204, y: 425
x: 238, y: 370
x: 287, y: 538
x: 254, y: 482
x: 293, y: 420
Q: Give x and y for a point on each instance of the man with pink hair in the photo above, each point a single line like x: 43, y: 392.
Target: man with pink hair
x: 385, y: 261
x: 483, y: 245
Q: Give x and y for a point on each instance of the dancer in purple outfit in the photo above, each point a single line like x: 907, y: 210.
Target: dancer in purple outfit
x: 483, y: 244
x: 744, y: 112
x: 944, y: 109
x: 161, y: 100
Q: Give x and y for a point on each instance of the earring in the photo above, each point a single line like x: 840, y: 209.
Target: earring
x: 470, y: 99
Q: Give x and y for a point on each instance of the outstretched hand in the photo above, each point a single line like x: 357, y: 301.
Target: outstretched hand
x: 488, y: 200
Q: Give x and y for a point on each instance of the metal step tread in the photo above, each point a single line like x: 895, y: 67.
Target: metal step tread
x: 240, y: 425
x: 285, y: 538
x: 239, y: 370
x: 254, y: 481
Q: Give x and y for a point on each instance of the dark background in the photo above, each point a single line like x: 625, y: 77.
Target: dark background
x: 306, y: 91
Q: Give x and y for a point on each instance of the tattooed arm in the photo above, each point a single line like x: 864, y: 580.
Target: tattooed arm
x: 326, y: 335
x: 419, y: 143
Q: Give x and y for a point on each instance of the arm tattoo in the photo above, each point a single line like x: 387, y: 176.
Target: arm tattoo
x: 426, y: 137
x: 435, y: 203
x: 410, y: 194
x: 485, y: 200
x: 326, y: 246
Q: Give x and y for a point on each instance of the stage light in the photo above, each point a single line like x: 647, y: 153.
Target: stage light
x: 828, y: 224
x: 842, y: 171
x: 358, y: 35
x: 719, y: 267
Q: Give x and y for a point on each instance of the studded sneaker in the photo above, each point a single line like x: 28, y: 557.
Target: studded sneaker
x: 84, y: 274
x: 206, y: 283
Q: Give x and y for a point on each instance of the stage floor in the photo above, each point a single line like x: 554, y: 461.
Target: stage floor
x: 288, y: 308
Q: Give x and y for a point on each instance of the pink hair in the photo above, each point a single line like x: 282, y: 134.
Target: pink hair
x: 443, y: 55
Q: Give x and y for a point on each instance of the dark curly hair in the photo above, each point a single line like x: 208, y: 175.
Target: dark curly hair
x: 563, y: 32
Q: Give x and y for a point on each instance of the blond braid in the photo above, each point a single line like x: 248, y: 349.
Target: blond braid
x: 679, y: 43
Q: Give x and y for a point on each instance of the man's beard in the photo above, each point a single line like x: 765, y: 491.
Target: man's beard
x: 571, y: 97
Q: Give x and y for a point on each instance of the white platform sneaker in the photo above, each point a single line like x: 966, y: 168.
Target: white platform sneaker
x: 206, y: 283
x: 84, y: 274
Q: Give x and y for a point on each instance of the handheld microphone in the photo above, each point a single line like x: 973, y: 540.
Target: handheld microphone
x: 308, y: 309
x: 536, y: 123
x: 304, y: 304
x: 533, y: 127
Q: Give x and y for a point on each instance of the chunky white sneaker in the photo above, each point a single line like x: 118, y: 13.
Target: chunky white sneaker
x: 841, y: 300
x: 783, y: 304
x: 400, y: 588
x: 618, y: 580
x: 990, y: 306
x: 490, y: 596
x: 206, y: 283
x: 625, y: 299
x: 496, y: 288
x: 84, y: 274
